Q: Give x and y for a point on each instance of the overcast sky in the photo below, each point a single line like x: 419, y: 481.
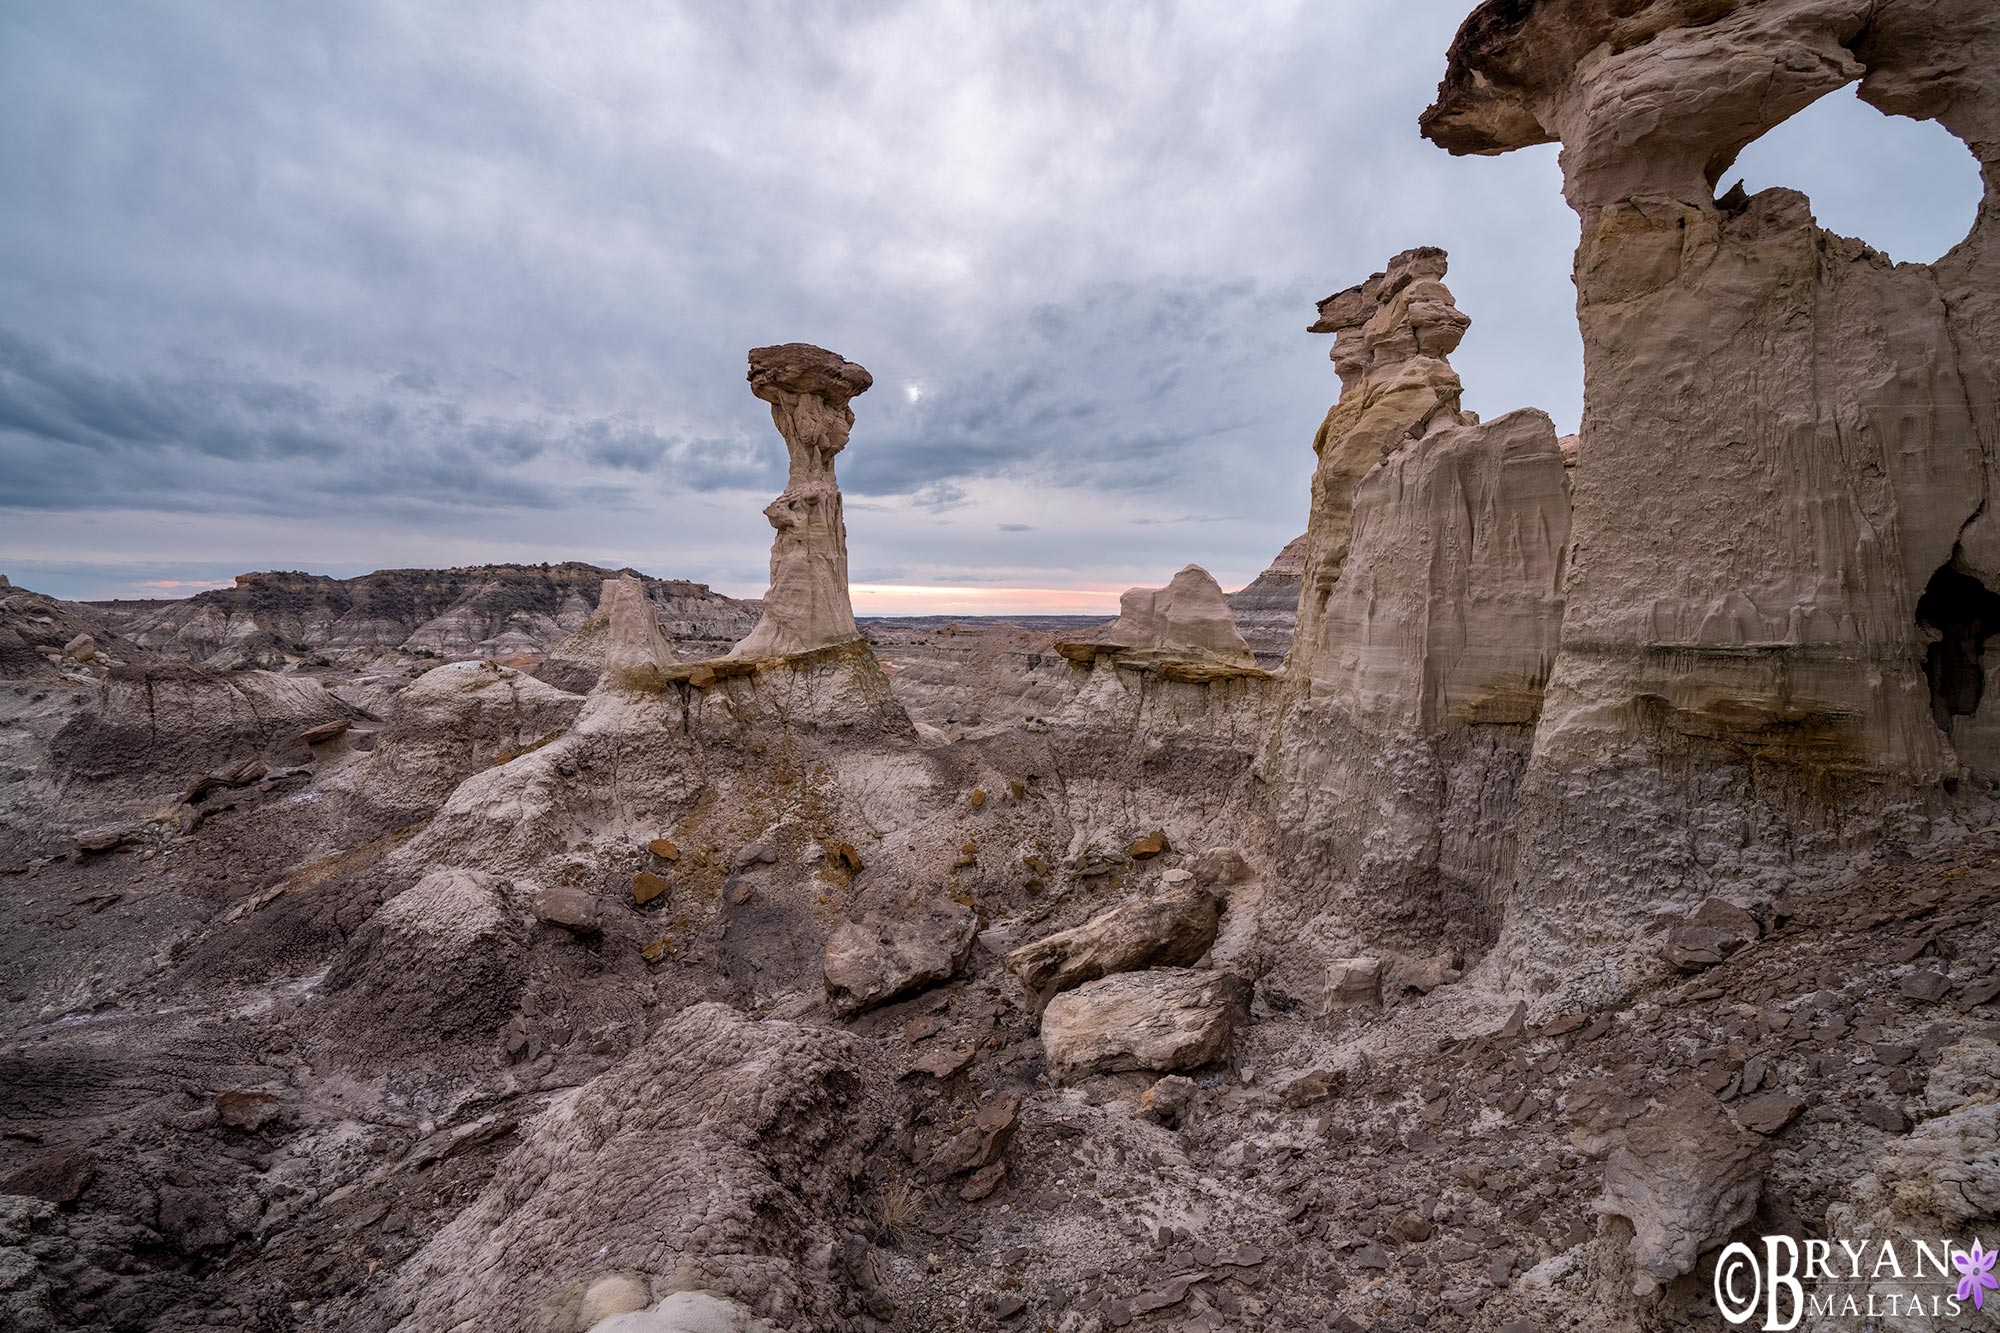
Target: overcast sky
x: 343, y: 286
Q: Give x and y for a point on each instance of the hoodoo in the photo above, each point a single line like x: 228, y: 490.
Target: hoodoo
x: 807, y: 607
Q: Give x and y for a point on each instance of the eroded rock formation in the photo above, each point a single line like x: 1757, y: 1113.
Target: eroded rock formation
x: 1428, y: 620
x: 1787, y: 440
x: 1267, y: 607
x: 1187, y: 620
x: 807, y: 607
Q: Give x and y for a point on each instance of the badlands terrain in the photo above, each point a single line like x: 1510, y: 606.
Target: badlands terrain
x: 1574, y: 855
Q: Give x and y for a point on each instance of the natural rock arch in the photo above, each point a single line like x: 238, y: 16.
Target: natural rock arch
x: 1908, y: 188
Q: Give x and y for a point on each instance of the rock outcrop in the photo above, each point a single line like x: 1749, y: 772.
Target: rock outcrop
x: 507, y: 611
x: 807, y: 607
x: 1186, y: 621
x: 1776, y: 624
x: 1267, y: 607
x: 714, y: 1160
x: 1429, y: 615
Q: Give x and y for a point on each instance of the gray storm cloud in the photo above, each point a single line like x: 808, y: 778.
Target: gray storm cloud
x: 354, y: 285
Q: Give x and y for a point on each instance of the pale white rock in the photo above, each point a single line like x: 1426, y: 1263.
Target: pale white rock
x: 1187, y: 619
x: 634, y: 647
x: 888, y: 954
x: 1429, y: 620
x: 1684, y: 1176
x: 807, y: 606
x: 688, y: 1312
x: 1354, y: 983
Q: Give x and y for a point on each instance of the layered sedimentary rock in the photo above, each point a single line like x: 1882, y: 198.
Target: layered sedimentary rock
x: 1397, y: 328
x: 1267, y: 607
x: 807, y: 607
x: 1428, y: 621
x: 477, y: 610
x: 1777, y: 619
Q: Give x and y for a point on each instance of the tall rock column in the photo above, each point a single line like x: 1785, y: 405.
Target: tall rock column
x: 1392, y: 335
x: 807, y: 606
x: 1787, y: 440
x: 1428, y: 620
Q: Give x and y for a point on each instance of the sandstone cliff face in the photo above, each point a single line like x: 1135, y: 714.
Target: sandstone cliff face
x: 1786, y: 441
x: 807, y: 607
x: 1428, y: 623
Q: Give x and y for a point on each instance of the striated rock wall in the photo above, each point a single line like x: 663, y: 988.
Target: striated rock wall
x: 479, y: 610
x: 1428, y: 622
x: 1787, y: 439
x: 1267, y: 607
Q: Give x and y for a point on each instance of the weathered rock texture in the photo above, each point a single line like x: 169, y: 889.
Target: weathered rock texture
x: 1784, y: 539
x: 807, y: 607
x: 1187, y: 620
x: 1267, y: 607
x: 886, y: 955
x: 479, y: 610
x: 1428, y: 621
x: 1164, y: 1019
x: 716, y: 1158
x: 1174, y: 927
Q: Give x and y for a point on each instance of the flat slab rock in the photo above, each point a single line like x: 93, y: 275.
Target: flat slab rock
x: 1174, y: 927
x: 1165, y: 1019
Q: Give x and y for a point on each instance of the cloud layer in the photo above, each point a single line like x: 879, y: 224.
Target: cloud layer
x: 358, y: 285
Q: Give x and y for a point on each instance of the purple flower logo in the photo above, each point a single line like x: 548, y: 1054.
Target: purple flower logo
x: 1976, y: 1278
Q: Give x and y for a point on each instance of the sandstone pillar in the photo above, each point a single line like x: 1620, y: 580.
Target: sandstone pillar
x: 807, y: 606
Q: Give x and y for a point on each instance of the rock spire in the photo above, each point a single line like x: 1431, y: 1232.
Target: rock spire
x: 807, y: 606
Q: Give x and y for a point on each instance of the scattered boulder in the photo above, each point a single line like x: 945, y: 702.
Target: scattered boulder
x: 1168, y: 1100
x: 1926, y: 987
x: 1172, y: 928
x: 569, y: 907
x: 55, y: 1177
x: 1717, y: 929
x: 664, y: 848
x: 646, y: 886
x: 983, y: 1141
x: 1220, y: 866
x: 1769, y: 1112
x: 1311, y: 1089
x: 322, y: 733
x: 883, y: 957
x: 1684, y: 1177
x: 1147, y: 847
x: 248, y: 1111
x: 1422, y: 975
x: 1167, y: 1019
x: 1354, y: 983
